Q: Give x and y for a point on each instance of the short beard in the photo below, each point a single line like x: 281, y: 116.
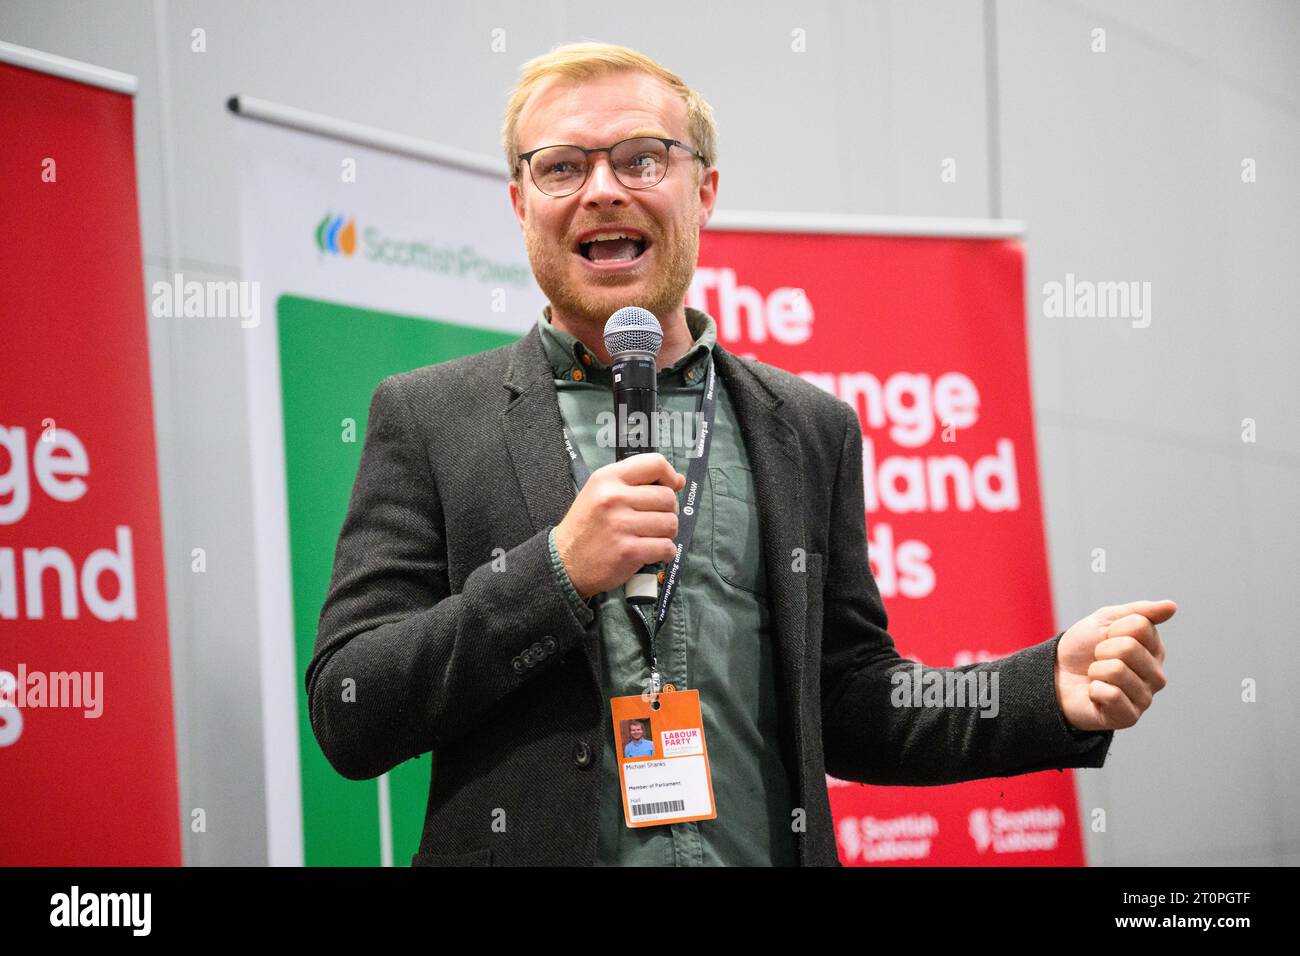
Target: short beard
x: 593, y: 308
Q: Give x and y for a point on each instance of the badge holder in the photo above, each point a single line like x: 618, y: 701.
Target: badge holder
x: 663, y: 768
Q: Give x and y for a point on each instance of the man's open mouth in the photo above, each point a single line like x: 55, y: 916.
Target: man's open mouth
x: 613, y: 246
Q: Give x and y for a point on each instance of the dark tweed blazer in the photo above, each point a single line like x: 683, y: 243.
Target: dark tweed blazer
x: 465, y: 457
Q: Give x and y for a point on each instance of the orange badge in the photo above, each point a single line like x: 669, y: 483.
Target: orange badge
x: 663, y: 766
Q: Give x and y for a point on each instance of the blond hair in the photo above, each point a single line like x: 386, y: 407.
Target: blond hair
x: 583, y: 61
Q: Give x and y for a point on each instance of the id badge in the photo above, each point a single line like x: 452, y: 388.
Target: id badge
x: 663, y: 766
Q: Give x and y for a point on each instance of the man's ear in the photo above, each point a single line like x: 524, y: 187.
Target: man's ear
x: 517, y: 202
x: 708, y: 194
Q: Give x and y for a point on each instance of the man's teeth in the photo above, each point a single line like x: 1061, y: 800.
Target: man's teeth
x: 613, y: 247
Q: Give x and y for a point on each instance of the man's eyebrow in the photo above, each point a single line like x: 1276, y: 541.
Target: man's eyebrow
x: 654, y: 131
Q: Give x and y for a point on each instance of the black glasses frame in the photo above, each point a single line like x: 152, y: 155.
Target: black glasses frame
x: 668, y: 144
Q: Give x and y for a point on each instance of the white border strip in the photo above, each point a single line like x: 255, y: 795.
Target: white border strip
x: 68, y: 69
x: 385, y: 822
x: 279, y: 681
x: 309, y: 122
x: 743, y: 220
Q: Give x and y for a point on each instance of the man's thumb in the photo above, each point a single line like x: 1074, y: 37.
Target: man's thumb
x: 1157, y: 612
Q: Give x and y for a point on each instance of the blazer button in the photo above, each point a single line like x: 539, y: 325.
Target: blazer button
x: 527, y: 657
x: 539, y: 652
x: 518, y: 665
x: 582, y: 754
x: 548, y: 642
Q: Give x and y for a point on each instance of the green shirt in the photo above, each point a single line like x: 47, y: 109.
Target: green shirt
x: 717, y: 638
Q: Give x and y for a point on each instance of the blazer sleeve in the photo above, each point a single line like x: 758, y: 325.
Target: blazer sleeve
x: 402, y: 666
x: 870, y: 740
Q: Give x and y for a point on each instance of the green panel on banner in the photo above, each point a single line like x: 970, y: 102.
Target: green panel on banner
x: 331, y: 358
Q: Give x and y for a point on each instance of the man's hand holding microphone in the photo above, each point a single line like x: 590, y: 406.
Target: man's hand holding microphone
x: 624, y: 517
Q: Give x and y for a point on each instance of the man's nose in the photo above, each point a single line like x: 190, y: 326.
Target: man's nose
x: 602, y: 185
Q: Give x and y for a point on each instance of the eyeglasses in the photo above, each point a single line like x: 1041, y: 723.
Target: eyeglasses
x: 638, y: 163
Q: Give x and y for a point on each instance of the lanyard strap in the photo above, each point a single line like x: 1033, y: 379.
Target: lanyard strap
x: 689, y: 512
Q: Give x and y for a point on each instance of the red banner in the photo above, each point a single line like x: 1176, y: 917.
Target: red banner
x: 926, y: 338
x: 87, y: 749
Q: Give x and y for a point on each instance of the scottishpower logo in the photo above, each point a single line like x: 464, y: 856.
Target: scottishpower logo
x: 336, y: 236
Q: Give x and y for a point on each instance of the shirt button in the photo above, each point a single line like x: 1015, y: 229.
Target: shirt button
x: 577, y: 375
x: 582, y: 754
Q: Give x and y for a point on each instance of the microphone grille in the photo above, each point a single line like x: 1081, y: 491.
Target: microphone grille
x: 633, y: 329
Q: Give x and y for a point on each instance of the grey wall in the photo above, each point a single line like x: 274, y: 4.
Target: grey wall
x: 1124, y: 164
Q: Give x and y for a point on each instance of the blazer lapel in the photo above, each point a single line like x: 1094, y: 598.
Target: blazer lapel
x: 777, y: 459
x: 532, y: 427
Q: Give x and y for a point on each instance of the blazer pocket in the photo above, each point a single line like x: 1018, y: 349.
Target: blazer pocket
x: 482, y: 857
x: 737, y: 542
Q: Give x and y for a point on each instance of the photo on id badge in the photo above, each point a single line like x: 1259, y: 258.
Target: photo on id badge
x: 663, y: 763
x: 638, y: 737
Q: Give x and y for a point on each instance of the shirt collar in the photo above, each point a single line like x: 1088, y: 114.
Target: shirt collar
x: 572, y: 361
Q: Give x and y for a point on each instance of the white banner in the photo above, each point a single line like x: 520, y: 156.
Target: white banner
x: 366, y: 262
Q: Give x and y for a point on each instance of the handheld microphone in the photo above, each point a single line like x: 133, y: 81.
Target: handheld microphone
x: 632, y: 338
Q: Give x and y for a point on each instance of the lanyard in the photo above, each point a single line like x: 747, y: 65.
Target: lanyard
x: 689, y: 513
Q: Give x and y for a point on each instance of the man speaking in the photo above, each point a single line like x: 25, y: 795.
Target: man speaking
x: 479, y: 607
